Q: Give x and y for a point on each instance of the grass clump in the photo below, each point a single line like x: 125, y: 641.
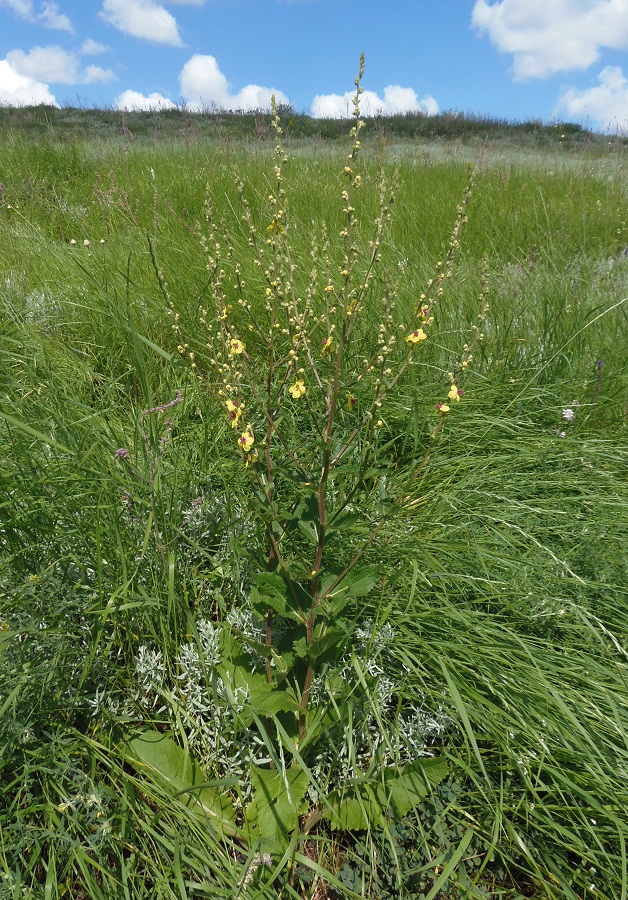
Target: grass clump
x: 313, y: 569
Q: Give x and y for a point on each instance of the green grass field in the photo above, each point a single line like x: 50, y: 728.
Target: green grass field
x: 489, y: 633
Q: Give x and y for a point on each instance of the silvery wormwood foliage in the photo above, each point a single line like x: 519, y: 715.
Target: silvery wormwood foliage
x: 211, y: 708
x: 361, y: 739
x: 214, y: 711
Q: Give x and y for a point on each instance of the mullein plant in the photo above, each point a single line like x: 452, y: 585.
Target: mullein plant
x: 302, y: 369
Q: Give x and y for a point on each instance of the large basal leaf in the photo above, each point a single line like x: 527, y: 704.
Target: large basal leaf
x: 405, y: 790
x: 157, y: 755
x: 394, y: 792
x: 277, y: 804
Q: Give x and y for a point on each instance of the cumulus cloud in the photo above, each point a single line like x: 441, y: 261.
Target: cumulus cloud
x: 51, y: 63
x: 93, y: 74
x: 56, y: 65
x: 142, y: 19
x: 134, y: 101
x: 21, y: 90
x: 549, y: 37
x: 48, y: 15
x: 91, y: 47
x: 396, y: 100
x: 203, y: 86
x: 606, y: 104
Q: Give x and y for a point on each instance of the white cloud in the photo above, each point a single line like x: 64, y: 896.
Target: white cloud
x: 93, y: 74
x: 93, y: 48
x: 142, y: 19
x: 133, y: 101
x: 54, y: 64
x: 21, y: 8
x: 51, y: 63
x: 203, y: 85
x: 396, y: 100
x: 21, y: 90
x: 606, y: 104
x: 550, y: 36
x: 49, y: 15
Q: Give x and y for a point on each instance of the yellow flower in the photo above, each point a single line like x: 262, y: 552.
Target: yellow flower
x: 416, y: 336
x: 422, y: 310
x: 246, y: 439
x: 236, y: 347
x: 351, y: 402
x: 234, y: 412
x: 275, y: 227
x: 442, y: 407
x: 454, y: 393
x: 327, y: 344
x: 297, y: 390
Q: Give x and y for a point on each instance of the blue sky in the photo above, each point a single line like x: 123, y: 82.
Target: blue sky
x: 511, y: 59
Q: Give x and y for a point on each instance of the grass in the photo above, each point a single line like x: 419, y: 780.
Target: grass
x: 504, y: 580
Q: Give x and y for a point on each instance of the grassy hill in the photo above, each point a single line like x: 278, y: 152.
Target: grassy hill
x: 179, y: 123
x: 313, y: 508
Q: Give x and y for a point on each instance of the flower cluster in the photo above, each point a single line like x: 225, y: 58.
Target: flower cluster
x: 245, y: 443
x: 297, y: 389
x: 234, y: 412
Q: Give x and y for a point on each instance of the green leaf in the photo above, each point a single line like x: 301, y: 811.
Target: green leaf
x: 268, y: 589
x: 362, y: 583
x: 364, y: 804
x: 326, y: 642
x: 319, y: 646
x: 354, y: 584
x: 308, y: 530
x: 406, y: 789
x: 351, y: 815
x: 277, y: 803
x: 172, y: 767
x: 271, y: 701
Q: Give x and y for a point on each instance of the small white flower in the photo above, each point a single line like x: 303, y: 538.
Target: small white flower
x: 569, y: 414
x: 86, y: 243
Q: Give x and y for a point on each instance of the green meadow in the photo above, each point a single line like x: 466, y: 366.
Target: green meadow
x: 439, y: 708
